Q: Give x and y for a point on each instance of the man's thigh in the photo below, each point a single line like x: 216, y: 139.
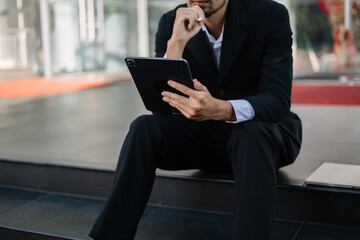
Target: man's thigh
x: 187, y: 144
x: 253, y: 137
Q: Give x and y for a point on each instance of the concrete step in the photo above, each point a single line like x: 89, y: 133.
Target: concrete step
x: 191, y: 189
x: 26, y: 214
x: 41, y: 215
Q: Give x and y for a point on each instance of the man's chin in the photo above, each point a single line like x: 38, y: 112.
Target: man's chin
x: 207, y: 13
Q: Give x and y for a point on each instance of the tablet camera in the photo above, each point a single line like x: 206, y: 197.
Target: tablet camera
x: 131, y: 62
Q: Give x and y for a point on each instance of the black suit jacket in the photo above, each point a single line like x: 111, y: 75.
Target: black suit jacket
x: 255, y: 63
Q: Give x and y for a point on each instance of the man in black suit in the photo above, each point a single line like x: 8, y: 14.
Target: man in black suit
x: 238, y: 117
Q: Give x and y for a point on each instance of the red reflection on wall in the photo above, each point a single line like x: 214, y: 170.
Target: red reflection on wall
x: 343, y: 38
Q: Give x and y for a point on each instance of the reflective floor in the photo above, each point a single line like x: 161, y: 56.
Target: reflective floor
x: 86, y: 128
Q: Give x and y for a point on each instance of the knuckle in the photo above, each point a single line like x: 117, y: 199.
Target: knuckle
x: 196, y: 108
x: 201, y: 98
x: 194, y: 111
x: 187, y: 115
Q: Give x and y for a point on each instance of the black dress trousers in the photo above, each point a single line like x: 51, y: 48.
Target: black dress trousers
x: 253, y: 149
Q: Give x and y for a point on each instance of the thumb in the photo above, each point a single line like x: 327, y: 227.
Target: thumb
x: 198, y: 86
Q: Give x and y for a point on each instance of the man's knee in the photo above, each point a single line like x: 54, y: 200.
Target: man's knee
x: 250, y: 131
x: 144, y: 124
x: 142, y: 137
x: 251, y: 138
x: 149, y: 129
x: 253, y: 148
x: 140, y: 122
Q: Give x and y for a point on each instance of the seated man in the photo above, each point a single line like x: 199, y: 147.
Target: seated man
x: 238, y: 117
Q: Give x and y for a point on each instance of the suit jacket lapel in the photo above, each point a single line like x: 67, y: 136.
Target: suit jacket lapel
x: 199, y: 48
x: 233, y: 38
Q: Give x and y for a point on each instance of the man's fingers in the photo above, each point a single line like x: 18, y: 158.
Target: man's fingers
x: 196, y: 11
x: 199, y: 87
x: 200, y: 12
x: 181, y: 107
x: 199, y: 93
x: 190, y: 15
x: 177, y: 101
x: 192, y: 19
x: 182, y: 88
x: 191, y: 24
x: 170, y: 97
x: 184, y: 109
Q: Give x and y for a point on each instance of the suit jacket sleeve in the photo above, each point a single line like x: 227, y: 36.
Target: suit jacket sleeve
x: 272, y: 102
x: 162, y: 37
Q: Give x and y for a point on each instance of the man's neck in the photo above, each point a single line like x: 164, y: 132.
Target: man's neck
x: 215, y: 22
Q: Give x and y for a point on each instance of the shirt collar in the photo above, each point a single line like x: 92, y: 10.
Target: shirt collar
x: 211, y: 37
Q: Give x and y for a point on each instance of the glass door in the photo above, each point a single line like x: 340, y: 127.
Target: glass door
x: 17, y: 35
x: 76, y: 35
x: 91, y: 35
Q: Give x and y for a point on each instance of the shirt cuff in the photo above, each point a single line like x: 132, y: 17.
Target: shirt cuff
x: 243, y: 110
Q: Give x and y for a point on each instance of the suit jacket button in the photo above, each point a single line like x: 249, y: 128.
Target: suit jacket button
x: 221, y: 91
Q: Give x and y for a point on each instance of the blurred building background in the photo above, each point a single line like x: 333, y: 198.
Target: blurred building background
x: 52, y: 37
x: 59, y: 146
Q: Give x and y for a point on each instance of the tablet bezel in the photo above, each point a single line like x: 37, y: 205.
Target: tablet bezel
x: 151, y: 75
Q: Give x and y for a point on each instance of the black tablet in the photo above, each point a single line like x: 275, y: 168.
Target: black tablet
x: 151, y: 75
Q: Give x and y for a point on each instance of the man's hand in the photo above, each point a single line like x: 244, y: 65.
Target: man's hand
x: 200, y: 105
x: 185, y: 27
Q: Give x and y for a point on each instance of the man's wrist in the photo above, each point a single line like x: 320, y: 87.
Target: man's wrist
x: 226, y: 111
x: 175, y: 48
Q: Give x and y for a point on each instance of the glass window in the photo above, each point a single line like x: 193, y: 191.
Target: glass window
x: 17, y: 34
x: 156, y: 9
x: 93, y: 35
x: 324, y: 47
x: 121, y: 36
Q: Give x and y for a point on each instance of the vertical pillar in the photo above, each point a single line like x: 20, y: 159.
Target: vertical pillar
x: 22, y: 34
x: 100, y: 20
x: 100, y: 33
x: 91, y: 20
x: 45, y: 37
x: 82, y: 20
x: 347, y: 14
x: 143, y: 28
